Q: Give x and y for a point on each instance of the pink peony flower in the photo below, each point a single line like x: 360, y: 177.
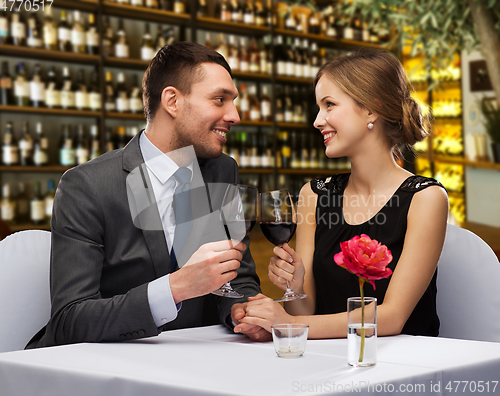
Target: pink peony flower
x: 365, y: 258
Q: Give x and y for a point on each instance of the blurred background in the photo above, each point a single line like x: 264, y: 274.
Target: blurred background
x: 70, y: 90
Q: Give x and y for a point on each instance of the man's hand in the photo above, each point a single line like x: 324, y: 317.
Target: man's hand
x: 212, y: 265
x: 254, y: 332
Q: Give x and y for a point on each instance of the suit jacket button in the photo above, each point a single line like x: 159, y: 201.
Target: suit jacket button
x: 135, y: 334
x: 142, y: 333
x: 123, y: 337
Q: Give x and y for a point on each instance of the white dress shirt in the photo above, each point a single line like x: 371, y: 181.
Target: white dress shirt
x: 160, y: 170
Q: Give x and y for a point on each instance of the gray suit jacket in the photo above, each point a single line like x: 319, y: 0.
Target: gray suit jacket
x: 102, y: 261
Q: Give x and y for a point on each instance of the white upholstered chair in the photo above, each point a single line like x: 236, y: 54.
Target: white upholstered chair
x: 24, y: 287
x: 468, y: 298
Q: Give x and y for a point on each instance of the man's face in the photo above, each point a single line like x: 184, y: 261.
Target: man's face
x: 207, y: 112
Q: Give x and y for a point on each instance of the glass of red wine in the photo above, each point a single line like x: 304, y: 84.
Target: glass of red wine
x: 238, y: 215
x: 278, y: 224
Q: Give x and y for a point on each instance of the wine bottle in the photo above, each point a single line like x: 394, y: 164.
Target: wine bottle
x: 253, y: 151
x: 285, y: 150
x: 243, y: 154
x: 109, y: 144
x: 233, y: 54
x: 306, y: 60
x: 95, y: 143
x: 280, y: 56
x: 290, y: 58
x: 120, y: 137
x: 222, y: 47
x: 223, y: 10
x: 37, y: 205
x: 81, y: 94
x: 265, y: 104
x: 68, y: 97
x: 18, y: 29
x: 147, y: 45
x: 92, y: 36
x: 314, y: 23
x: 40, y: 147
x: 236, y: 11
x: 260, y: 15
x: 299, y: 62
x: 63, y: 33
x: 357, y: 28
x: 288, y: 105
x: 81, y: 145
x: 160, y: 41
x: 10, y: 150
x: 290, y: 20
x: 6, y: 85
x: 137, y: 3
x: 21, y: 86
x: 135, y: 98
x: 255, y: 114
x: 4, y: 27
x: 49, y: 30
x: 22, y: 203
x: 121, y: 42
x: 244, y: 55
x: 315, y: 59
x: 95, y: 99
x: 37, y: 88
x: 179, y: 7
x: 244, y: 103
x: 107, y: 38
x: 262, y: 55
x: 8, y: 205
x: 67, y: 153
x: 254, y: 56
x: 279, y: 107
x: 35, y: 39
x: 166, y: 5
x: 248, y: 13
x: 271, y: 19
x: 110, y: 104
x: 78, y: 35
x: 49, y: 200
x: 121, y: 94
x: 294, y: 151
x: 26, y: 146
x: 52, y: 90
x: 151, y: 4
x: 202, y: 10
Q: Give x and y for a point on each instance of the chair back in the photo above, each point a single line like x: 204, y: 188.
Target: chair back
x: 24, y: 287
x: 468, y: 302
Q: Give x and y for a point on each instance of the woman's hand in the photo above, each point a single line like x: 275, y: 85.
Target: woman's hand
x: 287, y: 266
x: 264, y: 312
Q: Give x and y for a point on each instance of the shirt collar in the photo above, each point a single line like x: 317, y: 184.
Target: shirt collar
x: 157, y: 162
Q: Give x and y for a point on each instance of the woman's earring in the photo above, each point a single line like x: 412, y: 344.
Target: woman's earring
x: 370, y: 125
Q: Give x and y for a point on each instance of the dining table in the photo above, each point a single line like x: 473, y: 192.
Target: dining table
x: 214, y: 361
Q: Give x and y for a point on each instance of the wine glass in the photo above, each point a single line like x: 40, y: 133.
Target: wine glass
x: 278, y: 224
x: 238, y: 215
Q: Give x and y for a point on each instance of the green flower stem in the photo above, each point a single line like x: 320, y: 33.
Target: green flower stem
x: 362, y: 348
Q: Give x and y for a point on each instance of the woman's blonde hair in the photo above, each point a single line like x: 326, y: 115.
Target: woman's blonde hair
x: 375, y: 79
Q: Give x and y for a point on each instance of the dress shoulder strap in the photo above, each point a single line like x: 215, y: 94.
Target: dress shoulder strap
x: 417, y: 183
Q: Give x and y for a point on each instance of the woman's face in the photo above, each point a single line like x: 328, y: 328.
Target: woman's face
x: 340, y: 120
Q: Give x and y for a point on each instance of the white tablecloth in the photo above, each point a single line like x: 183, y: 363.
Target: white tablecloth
x: 213, y: 361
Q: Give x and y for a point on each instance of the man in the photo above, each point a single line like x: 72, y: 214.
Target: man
x: 113, y: 272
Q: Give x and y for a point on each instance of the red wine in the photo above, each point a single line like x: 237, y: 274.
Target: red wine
x: 238, y: 230
x: 278, y: 233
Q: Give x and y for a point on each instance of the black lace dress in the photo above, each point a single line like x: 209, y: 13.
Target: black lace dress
x: 335, y: 284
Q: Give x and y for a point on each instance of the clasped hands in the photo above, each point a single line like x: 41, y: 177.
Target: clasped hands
x: 255, y: 318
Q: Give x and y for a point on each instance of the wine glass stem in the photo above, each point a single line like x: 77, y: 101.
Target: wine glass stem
x: 288, y: 288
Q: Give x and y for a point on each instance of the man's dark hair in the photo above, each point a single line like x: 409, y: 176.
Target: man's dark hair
x: 177, y: 65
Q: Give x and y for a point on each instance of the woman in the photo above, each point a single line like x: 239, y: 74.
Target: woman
x: 365, y: 113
